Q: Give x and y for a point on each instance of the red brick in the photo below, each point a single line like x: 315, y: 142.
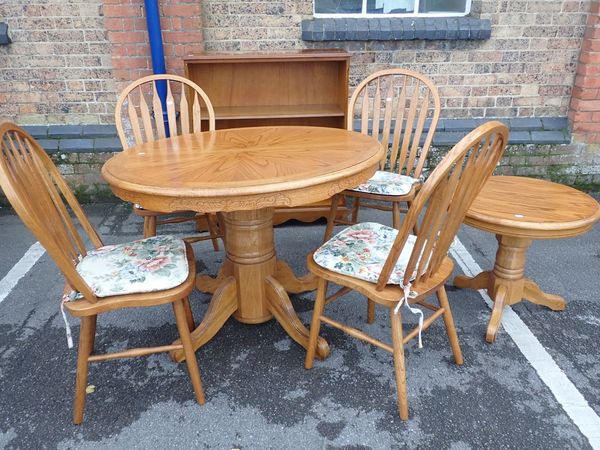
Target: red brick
x: 593, y: 127
x: 592, y: 20
x: 577, y: 116
x: 113, y: 23
x: 181, y: 10
x: 176, y: 24
x: 130, y: 63
x: 592, y: 33
x: 587, y: 81
x: 119, y: 51
x: 585, y: 105
x: 589, y: 57
x: 588, y: 70
x: 139, y: 24
x: 585, y: 93
x: 591, y: 45
x: 127, y: 36
x: 181, y: 36
x: 120, y: 10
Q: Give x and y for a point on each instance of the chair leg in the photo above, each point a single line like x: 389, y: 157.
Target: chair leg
x: 221, y: 224
x: 213, y: 232
x: 87, y: 334
x: 355, y: 207
x: 370, y: 311
x: 149, y: 226
x: 396, y: 221
x: 189, y: 316
x: 449, y: 322
x: 188, y: 350
x: 331, y: 218
x: 399, y: 367
x: 315, y: 324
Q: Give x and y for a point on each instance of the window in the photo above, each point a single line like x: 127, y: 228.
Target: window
x: 391, y: 8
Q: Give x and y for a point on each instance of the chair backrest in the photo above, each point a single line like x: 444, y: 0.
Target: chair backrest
x: 404, y: 100
x: 140, y: 109
x: 448, y: 193
x: 42, y: 199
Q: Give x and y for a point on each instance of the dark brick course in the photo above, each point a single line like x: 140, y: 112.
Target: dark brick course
x: 524, y: 130
x: 396, y: 29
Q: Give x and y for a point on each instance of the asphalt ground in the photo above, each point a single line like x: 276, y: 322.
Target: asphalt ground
x: 258, y: 393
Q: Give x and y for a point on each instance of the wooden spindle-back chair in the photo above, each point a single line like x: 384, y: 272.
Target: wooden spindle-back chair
x: 141, y: 117
x: 44, y: 202
x: 401, y: 108
x: 418, y: 264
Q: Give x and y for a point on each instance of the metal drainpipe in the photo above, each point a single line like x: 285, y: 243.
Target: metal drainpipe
x: 157, y: 53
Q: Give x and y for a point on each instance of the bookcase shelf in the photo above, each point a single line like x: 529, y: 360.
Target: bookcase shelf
x: 305, y: 87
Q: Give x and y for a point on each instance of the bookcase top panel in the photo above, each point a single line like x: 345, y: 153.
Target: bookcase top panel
x: 305, y: 54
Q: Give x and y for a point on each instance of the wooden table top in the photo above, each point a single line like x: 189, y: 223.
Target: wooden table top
x: 243, y: 168
x: 532, y: 208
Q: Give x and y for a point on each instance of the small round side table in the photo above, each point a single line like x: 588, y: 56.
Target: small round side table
x: 519, y: 210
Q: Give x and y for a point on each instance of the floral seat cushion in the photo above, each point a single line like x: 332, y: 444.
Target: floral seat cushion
x: 360, y: 251
x: 146, y: 265
x: 387, y: 183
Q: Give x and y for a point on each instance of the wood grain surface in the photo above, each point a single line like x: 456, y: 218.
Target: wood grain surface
x: 519, y: 210
x: 528, y: 207
x: 243, y: 168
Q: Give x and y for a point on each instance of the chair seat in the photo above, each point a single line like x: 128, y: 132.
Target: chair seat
x: 387, y: 183
x: 146, y: 265
x: 360, y: 251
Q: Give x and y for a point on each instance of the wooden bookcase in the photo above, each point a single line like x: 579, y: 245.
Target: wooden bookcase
x: 306, y: 87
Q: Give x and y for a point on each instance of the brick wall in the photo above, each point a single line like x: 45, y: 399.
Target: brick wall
x: 69, y: 59
x: 585, y: 103
x: 66, y: 56
x: 125, y: 23
x: 526, y: 69
x: 57, y: 69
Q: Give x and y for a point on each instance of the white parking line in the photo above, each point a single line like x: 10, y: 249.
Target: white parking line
x: 19, y: 270
x: 565, y: 392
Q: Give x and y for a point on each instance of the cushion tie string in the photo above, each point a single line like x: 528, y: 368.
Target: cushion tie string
x: 410, y: 294
x: 67, y: 298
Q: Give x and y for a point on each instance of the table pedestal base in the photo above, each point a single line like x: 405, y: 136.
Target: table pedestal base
x: 506, y: 284
x: 252, y: 284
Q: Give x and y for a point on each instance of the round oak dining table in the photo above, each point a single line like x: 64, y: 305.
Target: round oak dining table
x: 244, y: 173
x: 519, y: 210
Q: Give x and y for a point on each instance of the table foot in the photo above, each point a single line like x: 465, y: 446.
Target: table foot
x: 499, y: 302
x: 281, y: 307
x: 221, y: 307
x: 208, y: 284
x: 533, y: 293
x: 479, y: 281
x: 290, y: 282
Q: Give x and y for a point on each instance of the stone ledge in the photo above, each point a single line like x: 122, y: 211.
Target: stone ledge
x: 396, y: 29
x: 4, y: 37
x: 523, y: 130
x: 103, y: 138
x: 76, y: 138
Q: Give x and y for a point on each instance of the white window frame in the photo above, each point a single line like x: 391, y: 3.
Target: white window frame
x: 366, y: 15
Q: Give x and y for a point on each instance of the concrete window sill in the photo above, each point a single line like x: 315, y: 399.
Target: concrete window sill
x: 396, y: 29
x: 4, y: 37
